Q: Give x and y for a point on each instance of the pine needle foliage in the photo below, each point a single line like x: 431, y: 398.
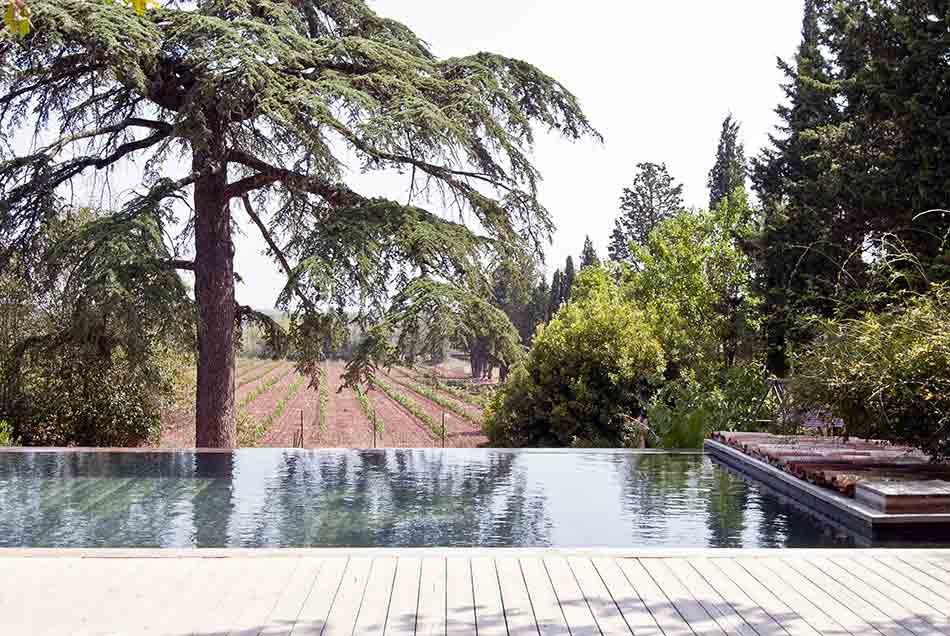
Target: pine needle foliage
x: 263, y: 105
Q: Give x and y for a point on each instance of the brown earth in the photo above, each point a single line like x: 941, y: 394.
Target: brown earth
x: 460, y: 433
x: 401, y: 428
x: 347, y: 425
x: 401, y: 375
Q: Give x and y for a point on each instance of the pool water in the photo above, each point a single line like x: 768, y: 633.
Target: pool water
x: 275, y: 497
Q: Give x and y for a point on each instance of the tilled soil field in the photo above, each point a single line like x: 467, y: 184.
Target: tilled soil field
x: 347, y: 426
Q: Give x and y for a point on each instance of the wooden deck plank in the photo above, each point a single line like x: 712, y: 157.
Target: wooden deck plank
x: 791, y: 622
x: 217, y: 606
x: 574, y: 606
x: 376, y: 598
x: 929, y: 568
x: 631, y: 606
x: 459, y: 597
x: 82, y: 615
x: 291, y: 601
x: 269, y: 582
x: 939, y: 588
x: 489, y: 611
x: 729, y: 620
x: 519, y: 616
x: 692, y: 611
x: 300, y: 593
x: 342, y: 617
x: 72, y: 581
x: 401, y: 619
x: 910, y: 583
x: 320, y: 601
x: 817, y: 604
x: 895, y: 591
x: 195, y: 597
x: 750, y: 611
x: 165, y: 578
x: 662, y: 609
x: 602, y: 606
x: 855, y: 612
x: 879, y: 600
x: 547, y: 611
x: 431, y: 621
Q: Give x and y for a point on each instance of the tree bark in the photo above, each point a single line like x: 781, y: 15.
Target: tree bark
x: 214, y: 293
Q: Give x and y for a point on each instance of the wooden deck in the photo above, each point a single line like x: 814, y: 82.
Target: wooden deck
x: 516, y: 592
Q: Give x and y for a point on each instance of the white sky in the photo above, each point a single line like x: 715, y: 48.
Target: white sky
x: 655, y: 78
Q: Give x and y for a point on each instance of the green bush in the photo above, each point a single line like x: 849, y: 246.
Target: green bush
x: 6, y: 434
x: 586, y: 375
x: 684, y: 411
x: 65, y: 400
x: 886, y: 375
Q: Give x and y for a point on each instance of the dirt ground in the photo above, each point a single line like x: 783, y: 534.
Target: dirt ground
x: 346, y: 424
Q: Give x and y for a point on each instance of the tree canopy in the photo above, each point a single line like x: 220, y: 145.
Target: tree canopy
x: 263, y: 104
x: 653, y: 196
x: 729, y: 171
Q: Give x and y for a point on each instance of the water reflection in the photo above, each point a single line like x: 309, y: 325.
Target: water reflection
x: 268, y: 497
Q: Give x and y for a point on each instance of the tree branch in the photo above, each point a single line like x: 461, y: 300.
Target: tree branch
x: 337, y: 195
x: 278, y: 253
x: 174, y: 263
x: 106, y: 130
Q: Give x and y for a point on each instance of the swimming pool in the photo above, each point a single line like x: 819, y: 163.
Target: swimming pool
x: 458, y: 497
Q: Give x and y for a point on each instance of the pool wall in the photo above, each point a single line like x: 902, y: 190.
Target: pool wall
x: 852, y: 514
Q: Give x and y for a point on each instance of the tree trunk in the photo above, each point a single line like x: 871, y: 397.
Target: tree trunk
x: 214, y: 292
x: 776, y: 359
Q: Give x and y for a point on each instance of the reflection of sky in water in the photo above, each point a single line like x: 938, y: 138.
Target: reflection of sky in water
x: 458, y: 497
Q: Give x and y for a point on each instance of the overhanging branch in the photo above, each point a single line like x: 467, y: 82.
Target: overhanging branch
x: 278, y: 253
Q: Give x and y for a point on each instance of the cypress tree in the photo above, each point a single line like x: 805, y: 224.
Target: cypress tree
x: 567, y: 281
x: 729, y: 170
x: 259, y: 105
x: 652, y: 197
x: 589, y: 254
x: 557, y: 297
x: 786, y: 177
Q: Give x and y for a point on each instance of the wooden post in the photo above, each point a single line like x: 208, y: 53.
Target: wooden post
x: 443, y: 429
x: 374, y: 429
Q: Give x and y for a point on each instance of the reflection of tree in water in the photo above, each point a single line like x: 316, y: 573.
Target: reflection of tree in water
x: 650, y: 481
x: 726, y: 504
x: 785, y: 523
x: 212, y: 499
x: 399, y: 498
x: 95, y: 499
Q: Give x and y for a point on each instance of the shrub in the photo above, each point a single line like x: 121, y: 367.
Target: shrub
x: 7, y: 437
x: 66, y: 400
x: 886, y: 375
x: 684, y: 411
x: 585, y: 377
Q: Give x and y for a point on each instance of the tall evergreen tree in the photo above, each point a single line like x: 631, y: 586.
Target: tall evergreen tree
x: 729, y: 171
x: 589, y: 254
x: 539, y: 306
x: 786, y: 177
x: 557, y: 289
x: 567, y: 282
x: 266, y: 101
x: 889, y: 150
x: 652, y: 196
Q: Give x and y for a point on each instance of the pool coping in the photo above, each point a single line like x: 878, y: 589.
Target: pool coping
x: 331, y: 552
x: 853, y: 514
